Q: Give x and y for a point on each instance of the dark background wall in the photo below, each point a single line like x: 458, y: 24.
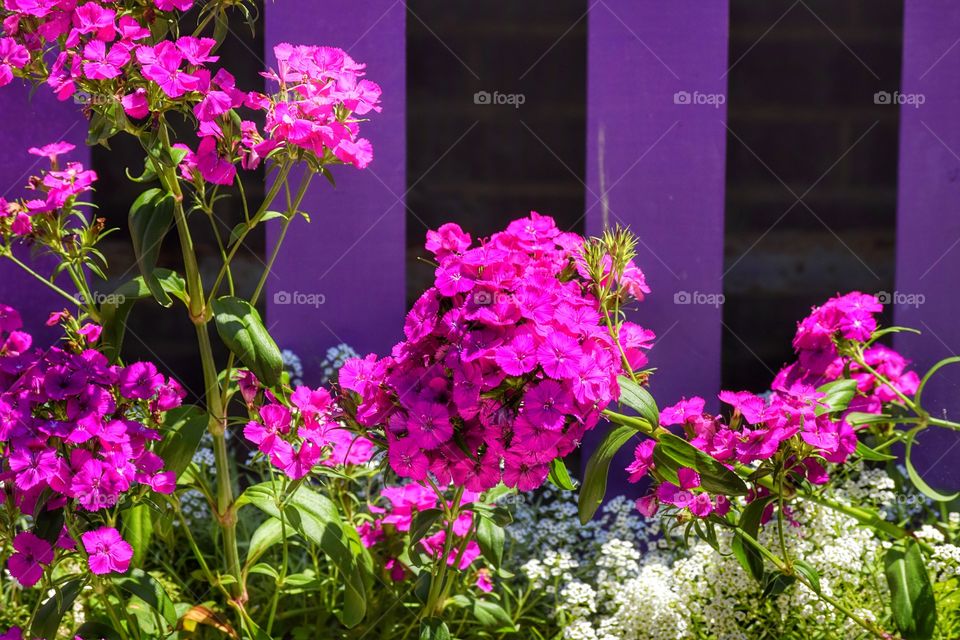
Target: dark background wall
x: 800, y: 109
x: 482, y: 165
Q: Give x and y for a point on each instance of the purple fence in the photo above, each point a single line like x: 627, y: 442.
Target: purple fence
x: 655, y: 161
x: 928, y: 224
x: 341, y: 277
x: 37, y: 119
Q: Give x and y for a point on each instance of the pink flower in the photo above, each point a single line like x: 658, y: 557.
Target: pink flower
x: 197, y: 50
x: 170, y: 5
x: 213, y: 168
x: 295, y: 463
x: 12, y: 56
x: 408, y: 460
x: 642, y: 460
x: 523, y: 474
x: 546, y: 405
x: 31, y: 555
x: 518, y: 357
x: 103, y: 65
x: 161, y: 64
x: 91, y: 332
x: 429, y: 424
x: 559, y: 355
x: 358, y: 152
x: 135, y: 104
x: 682, y: 411
x: 750, y: 406
x: 485, y: 580
x: 107, y: 551
x: 52, y: 150
x: 13, y: 633
x: 140, y: 380
x: 95, y: 19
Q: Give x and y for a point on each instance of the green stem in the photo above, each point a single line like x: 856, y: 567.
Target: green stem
x: 291, y: 214
x: 863, y: 516
x: 434, y: 602
x: 199, y: 315
x: 275, y: 599
x: 226, y: 512
x: 257, y: 218
x: 785, y: 569
x: 8, y: 252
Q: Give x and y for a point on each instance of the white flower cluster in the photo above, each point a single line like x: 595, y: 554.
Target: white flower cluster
x: 294, y: 367
x: 335, y: 358
x: 621, y: 578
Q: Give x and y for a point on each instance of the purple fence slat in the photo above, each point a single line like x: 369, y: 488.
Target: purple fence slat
x: 31, y: 122
x: 928, y: 218
x: 350, y: 257
x: 655, y: 161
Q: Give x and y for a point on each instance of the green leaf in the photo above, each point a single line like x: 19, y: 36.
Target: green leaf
x: 265, y: 569
x: 859, y: 418
x: 183, y: 428
x: 595, y: 476
x: 143, y: 586
x: 490, y: 614
x: 317, y: 519
x: 94, y: 630
x: 48, y: 524
x: 867, y: 453
x: 807, y: 571
x: 744, y: 550
x: 267, y: 534
x: 422, y: 523
x: 490, y: 537
x: 559, y: 475
x: 673, y: 452
x: 929, y: 374
x: 917, y: 480
x: 151, y: 217
x: 138, y: 531
x: 839, y: 394
x: 912, y: 600
x: 242, y: 330
x: 115, y: 311
x: 147, y: 175
x: 434, y: 629
x: 639, y: 399
x: 775, y: 583
x: 47, y: 621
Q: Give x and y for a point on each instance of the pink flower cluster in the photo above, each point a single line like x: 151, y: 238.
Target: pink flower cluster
x: 297, y: 440
x: 55, y: 190
x: 74, y: 428
x: 762, y: 427
x: 405, y: 502
x: 320, y: 91
x: 103, y: 53
x: 506, y: 362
